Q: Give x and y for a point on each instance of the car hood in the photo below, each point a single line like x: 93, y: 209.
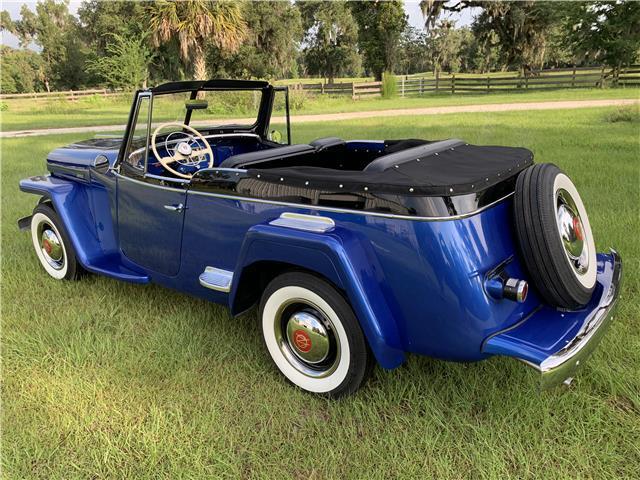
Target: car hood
x: 84, y: 154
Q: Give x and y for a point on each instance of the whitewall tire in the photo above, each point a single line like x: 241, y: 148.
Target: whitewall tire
x: 313, y: 336
x: 555, y: 236
x: 52, y: 245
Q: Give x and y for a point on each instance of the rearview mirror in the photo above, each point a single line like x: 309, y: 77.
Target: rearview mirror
x: 196, y: 104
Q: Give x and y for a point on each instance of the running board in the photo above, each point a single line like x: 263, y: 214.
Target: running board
x: 216, y: 279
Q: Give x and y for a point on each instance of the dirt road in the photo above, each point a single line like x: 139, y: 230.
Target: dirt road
x: 335, y: 117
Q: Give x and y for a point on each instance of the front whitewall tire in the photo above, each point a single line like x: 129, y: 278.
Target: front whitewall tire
x: 66, y: 267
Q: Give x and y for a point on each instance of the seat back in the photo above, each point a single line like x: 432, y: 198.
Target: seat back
x: 255, y: 159
x: 327, y: 142
x: 386, y: 162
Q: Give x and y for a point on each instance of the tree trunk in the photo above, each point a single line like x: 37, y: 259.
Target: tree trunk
x: 199, y: 64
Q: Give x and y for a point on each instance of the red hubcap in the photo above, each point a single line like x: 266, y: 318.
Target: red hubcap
x: 302, y: 340
x: 577, y: 228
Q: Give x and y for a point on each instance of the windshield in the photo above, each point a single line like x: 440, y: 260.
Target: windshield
x: 210, y: 109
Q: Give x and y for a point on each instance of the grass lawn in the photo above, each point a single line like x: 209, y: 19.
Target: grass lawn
x: 27, y: 114
x: 103, y: 379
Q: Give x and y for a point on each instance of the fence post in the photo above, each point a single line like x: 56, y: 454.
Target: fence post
x: 573, y: 78
x: 453, y: 83
x: 437, y: 79
x: 322, y: 88
x: 526, y: 81
x: 488, y: 83
x: 353, y: 91
x: 421, y: 86
x: 402, y: 95
x: 602, y: 78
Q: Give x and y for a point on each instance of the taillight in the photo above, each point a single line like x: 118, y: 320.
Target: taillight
x: 510, y: 288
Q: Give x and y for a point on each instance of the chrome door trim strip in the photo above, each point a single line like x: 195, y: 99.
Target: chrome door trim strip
x: 146, y: 184
x: 181, y: 181
x: 323, y: 208
x: 345, y: 210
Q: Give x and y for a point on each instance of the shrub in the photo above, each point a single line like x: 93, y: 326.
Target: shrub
x: 389, y: 85
x: 297, y: 99
x: 627, y: 113
x: 233, y: 103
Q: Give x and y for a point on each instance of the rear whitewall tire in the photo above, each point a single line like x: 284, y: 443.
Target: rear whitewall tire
x: 354, y: 359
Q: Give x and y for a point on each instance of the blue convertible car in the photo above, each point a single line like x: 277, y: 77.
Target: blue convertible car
x: 356, y: 251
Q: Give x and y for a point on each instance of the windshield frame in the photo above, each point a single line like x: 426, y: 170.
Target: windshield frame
x: 260, y: 127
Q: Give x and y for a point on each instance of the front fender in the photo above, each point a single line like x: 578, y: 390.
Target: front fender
x: 93, y: 237
x: 67, y: 197
x: 342, y: 258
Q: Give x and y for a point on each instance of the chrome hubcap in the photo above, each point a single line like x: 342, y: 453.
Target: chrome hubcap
x: 572, y: 232
x: 307, y: 339
x: 51, y: 247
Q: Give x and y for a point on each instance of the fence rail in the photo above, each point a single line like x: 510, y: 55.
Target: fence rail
x: 576, y: 77
x: 66, y: 94
x: 579, y: 77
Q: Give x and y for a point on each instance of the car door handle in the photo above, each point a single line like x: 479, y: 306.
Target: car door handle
x: 175, y: 208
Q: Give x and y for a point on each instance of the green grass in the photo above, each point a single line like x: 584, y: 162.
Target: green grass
x: 29, y: 114
x: 103, y: 379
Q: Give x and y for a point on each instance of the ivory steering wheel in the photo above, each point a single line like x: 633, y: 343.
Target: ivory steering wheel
x: 183, y: 153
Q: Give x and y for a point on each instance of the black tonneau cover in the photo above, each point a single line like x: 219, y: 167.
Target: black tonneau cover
x: 453, y: 170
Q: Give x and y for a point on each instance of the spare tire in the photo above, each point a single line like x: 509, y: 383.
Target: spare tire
x: 555, y: 236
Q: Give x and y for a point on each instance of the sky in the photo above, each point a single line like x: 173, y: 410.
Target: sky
x: 412, y: 8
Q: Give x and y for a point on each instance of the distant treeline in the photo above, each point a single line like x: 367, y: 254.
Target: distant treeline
x: 125, y: 44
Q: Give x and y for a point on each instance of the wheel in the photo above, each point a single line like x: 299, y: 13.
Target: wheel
x: 313, y: 335
x: 555, y: 236
x: 52, y: 245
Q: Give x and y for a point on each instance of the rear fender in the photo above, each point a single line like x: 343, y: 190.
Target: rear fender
x: 339, y: 256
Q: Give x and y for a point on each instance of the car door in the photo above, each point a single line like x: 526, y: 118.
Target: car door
x: 150, y: 211
x: 150, y: 219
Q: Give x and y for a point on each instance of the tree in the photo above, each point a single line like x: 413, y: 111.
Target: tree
x: 445, y: 46
x: 55, y: 30
x: 413, y: 53
x: 101, y: 20
x: 195, y: 23
x: 380, y: 26
x: 21, y: 70
x: 273, y: 37
x: 605, y: 31
x: 331, y: 38
x: 125, y: 63
x: 520, y: 30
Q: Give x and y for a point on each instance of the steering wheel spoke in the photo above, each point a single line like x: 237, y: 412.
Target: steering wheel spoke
x: 184, y: 152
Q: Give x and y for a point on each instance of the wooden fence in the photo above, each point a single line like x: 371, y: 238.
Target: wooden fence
x: 63, y: 95
x: 545, y: 80
x: 580, y: 77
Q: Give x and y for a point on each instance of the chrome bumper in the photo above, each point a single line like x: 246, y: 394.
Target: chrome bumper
x: 562, y: 365
x: 578, y: 332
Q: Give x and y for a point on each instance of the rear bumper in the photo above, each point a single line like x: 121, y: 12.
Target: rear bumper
x: 557, y: 343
